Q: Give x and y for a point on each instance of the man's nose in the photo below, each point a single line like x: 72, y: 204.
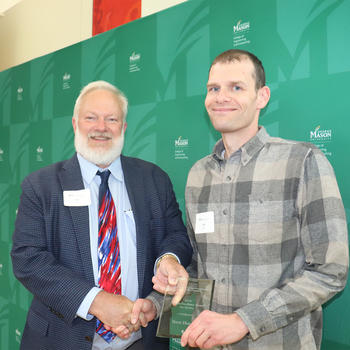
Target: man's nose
x: 223, y: 96
x: 101, y: 124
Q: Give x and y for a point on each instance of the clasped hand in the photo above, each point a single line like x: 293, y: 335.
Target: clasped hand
x: 121, y: 315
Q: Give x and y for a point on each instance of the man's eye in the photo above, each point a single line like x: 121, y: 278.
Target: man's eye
x: 90, y: 118
x: 236, y: 88
x: 214, y: 89
x: 112, y: 120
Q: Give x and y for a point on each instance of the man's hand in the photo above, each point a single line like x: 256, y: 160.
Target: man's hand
x: 143, y: 312
x: 114, y: 311
x: 211, y: 329
x: 171, y: 277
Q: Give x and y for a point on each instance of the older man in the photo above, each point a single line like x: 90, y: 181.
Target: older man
x: 89, y: 233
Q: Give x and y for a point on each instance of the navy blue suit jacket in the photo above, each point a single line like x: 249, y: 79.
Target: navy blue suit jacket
x: 51, y: 249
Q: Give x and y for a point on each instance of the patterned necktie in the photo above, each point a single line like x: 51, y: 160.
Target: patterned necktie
x: 109, y: 274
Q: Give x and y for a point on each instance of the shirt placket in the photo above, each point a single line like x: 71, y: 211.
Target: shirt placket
x: 229, y: 172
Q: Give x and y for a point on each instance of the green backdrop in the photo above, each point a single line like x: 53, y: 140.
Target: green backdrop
x: 161, y: 63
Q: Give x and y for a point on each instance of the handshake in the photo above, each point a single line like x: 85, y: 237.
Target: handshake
x: 122, y: 316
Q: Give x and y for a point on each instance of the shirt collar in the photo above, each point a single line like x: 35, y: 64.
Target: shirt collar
x: 247, y: 151
x: 88, y: 169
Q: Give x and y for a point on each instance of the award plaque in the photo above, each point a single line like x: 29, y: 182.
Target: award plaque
x: 173, y: 320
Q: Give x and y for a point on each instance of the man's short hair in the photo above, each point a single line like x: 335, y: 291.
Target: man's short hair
x: 102, y: 85
x: 237, y: 55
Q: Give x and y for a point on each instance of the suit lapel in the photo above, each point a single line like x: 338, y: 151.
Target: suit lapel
x: 136, y: 192
x: 71, y: 179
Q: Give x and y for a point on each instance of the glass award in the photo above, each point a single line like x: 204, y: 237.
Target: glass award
x: 173, y: 320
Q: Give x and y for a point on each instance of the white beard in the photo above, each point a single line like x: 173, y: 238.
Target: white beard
x: 98, y: 155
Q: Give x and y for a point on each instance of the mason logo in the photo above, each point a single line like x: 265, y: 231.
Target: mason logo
x: 18, y: 336
x: 19, y: 93
x: 66, y: 76
x: 39, y: 153
x: 318, y: 134
x: 181, y: 142
x: 134, y: 57
x: 241, y: 26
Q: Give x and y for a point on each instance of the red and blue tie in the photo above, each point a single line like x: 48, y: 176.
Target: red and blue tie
x: 109, y: 269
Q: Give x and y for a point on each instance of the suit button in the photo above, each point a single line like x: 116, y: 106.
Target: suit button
x: 88, y: 338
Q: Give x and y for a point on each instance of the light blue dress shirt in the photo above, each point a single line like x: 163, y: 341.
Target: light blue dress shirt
x: 127, y: 242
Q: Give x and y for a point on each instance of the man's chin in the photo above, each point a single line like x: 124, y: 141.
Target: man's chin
x: 97, y: 153
x: 100, y: 157
x: 99, y: 146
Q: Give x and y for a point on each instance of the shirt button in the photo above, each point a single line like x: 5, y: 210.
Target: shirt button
x: 224, y: 211
x: 262, y: 329
x: 228, y: 178
x: 223, y: 280
x: 89, y: 339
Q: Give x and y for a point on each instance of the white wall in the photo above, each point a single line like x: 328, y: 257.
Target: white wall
x: 34, y: 28
x: 151, y: 6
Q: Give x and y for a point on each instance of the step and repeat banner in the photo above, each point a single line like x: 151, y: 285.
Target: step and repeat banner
x: 161, y: 63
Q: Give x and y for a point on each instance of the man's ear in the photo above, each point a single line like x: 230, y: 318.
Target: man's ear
x: 263, y: 97
x: 74, y: 124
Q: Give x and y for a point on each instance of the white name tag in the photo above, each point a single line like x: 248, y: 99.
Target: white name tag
x: 205, y: 222
x: 78, y: 198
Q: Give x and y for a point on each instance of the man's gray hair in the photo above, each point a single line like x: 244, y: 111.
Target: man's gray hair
x: 102, y: 85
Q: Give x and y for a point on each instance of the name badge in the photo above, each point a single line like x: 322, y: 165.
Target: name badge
x: 205, y: 222
x: 78, y: 198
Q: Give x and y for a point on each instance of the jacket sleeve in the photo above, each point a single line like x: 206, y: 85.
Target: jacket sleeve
x: 38, y: 262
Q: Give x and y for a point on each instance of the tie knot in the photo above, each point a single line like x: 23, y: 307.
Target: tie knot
x: 104, y: 176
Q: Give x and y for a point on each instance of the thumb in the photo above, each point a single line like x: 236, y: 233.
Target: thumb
x: 136, y: 310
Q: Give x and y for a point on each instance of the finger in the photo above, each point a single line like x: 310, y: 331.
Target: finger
x: 184, y: 338
x: 193, y: 336
x: 180, y: 290
x: 143, y: 319
x: 122, y: 332
x: 191, y: 333
x: 202, y: 339
x: 173, y: 274
x: 165, y: 288
x: 185, y: 335
x: 108, y: 328
x: 209, y: 344
x: 134, y: 327
x: 136, y: 310
x: 159, y: 277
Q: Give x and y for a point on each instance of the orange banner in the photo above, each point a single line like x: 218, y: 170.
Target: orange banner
x: 108, y: 14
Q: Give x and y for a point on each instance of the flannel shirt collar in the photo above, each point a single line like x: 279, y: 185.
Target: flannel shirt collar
x: 247, y: 151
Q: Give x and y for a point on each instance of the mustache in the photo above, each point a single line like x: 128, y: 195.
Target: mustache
x: 100, y: 134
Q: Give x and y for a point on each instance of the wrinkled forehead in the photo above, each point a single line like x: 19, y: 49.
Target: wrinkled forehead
x: 100, y: 98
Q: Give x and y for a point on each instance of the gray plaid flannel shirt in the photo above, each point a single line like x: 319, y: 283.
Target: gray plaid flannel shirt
x: 280, y: 246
